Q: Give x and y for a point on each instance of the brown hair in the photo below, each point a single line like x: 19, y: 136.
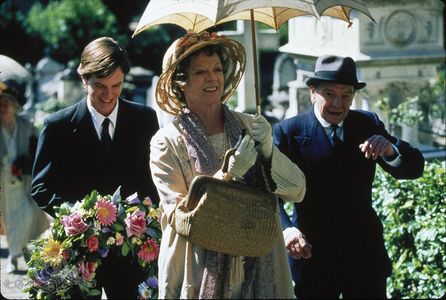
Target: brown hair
x: 101, y: 57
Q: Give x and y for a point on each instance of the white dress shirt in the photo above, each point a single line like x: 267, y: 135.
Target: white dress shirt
x: 98, y: 119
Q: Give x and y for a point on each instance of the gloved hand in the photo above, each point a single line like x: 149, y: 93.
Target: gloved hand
x: 262, y: 133
x: 243, y: 159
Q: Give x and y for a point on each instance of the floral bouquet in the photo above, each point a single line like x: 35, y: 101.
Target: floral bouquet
x: 64, y: 261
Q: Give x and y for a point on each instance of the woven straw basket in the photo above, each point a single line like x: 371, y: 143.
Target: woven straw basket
x: 228, y: 217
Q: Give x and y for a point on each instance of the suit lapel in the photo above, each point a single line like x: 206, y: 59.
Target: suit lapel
x: 120, y: 129
x: 83, y: 128
x: 320, y: 145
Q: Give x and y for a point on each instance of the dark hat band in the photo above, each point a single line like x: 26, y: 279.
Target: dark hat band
x: 336, y: 77
x: 336, y: 69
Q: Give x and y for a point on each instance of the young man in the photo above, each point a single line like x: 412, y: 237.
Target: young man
x: 338, y: 150
x: 100, y: 143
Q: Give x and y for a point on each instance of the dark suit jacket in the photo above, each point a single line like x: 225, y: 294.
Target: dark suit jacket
x: 70, y: 162
x: 336, y: 214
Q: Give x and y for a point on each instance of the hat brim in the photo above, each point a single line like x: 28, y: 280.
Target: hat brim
x: 15, y: 98
x: 166, y: 98
x: 314, y: 80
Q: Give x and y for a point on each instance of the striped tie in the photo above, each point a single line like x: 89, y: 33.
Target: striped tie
x: 335, y: 140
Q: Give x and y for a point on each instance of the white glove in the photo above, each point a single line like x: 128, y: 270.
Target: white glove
x: 243, y: 159
x: 262, y: 133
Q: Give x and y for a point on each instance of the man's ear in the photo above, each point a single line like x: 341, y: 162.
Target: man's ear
x: 84, y: 80
x: 312, y: 94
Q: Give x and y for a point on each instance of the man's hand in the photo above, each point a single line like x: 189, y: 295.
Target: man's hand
x: 375, y: 146
x: 296, y: 244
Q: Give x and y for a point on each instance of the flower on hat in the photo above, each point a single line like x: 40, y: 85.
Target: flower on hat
x: 191, y: 38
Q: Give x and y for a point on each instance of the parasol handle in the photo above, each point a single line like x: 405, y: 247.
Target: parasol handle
x: 254, y: 58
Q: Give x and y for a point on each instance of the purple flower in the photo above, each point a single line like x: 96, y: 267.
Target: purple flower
x: 103, y: 252
x: 44, y: 275
x: 106, y: 230
x: 152, y: 282
x: 133, y: 199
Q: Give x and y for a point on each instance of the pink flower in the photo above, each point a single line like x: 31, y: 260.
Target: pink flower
x: 87, y: 269
x: 149, y: 251
x: 136, y: 223
x: 147, y: 201
x: 119, y: 239
x: 93, y: 243
x: 73, y: 224
x: 106, y: 212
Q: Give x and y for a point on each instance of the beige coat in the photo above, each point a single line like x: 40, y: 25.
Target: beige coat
x: 180, y: 262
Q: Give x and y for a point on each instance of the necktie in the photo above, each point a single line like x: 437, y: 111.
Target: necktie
x: 105, y: 135
x: 336, y: 141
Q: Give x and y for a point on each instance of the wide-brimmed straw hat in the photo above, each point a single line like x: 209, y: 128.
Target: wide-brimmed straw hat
x: 234, y: 52
x: 335, y: 69
x: 13, y: 90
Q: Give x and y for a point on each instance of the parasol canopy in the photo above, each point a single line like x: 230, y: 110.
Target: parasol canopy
x: 198, y: 15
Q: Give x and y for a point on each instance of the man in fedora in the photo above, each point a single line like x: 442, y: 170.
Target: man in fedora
x: 338, y: 149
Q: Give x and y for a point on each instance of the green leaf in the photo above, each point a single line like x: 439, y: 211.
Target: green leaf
x: 117, y: 227
x: 94, y: 292
x: 90, y: 200
x: 125, y: 249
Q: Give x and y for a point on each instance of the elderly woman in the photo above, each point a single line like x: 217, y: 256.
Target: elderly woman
x: 200, y: 72
x: 20, y: 216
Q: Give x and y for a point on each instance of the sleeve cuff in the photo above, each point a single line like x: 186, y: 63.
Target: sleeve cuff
x: 395, y: 160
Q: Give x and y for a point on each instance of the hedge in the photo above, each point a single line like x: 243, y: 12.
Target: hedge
x: 413, y: 213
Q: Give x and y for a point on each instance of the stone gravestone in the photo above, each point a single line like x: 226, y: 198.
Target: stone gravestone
x: 69, y: 87
x: 46, y: 80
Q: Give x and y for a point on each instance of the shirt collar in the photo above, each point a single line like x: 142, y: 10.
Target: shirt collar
x: 98, y: 118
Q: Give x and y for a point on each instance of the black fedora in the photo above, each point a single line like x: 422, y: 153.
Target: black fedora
x: 335, y: 69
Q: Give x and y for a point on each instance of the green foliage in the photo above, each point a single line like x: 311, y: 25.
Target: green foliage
x: 414, y: 216
x: 51, y: 105
x: 68, y: 25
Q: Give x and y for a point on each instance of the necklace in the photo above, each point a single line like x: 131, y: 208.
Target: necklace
x: 225, y: 143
